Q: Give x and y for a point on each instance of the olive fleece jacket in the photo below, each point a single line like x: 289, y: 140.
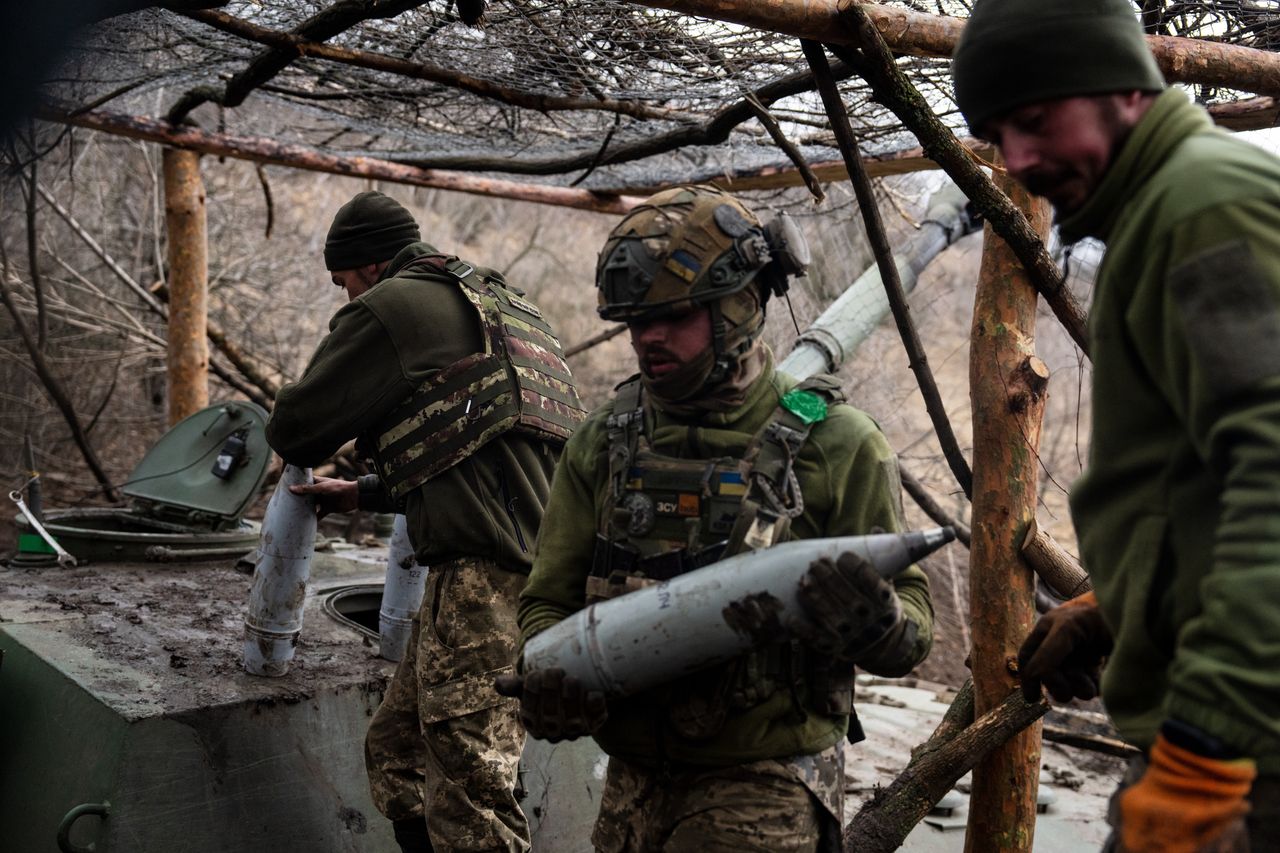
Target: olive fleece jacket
x: 848, y: 479
x: 1179, y: 510
x: 382, y: 346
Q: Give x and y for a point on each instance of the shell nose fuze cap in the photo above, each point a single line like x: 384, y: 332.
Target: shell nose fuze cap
x: 369, y: 229
x: 1018, y: 52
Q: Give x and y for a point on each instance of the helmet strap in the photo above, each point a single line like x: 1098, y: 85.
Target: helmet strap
x: 724, y: 360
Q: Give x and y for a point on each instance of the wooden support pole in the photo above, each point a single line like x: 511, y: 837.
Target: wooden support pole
x: 1007, y: 389
x: 188, y: 284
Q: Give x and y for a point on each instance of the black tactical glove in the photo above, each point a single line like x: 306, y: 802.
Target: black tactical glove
x: 1065, y: 650
x: 555, y: 706
x: 850, y: 606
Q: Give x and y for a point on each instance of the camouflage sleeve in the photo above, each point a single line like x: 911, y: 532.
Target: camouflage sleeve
x: 566, y: 539
x: 353, y: 378
x: 867, y: 494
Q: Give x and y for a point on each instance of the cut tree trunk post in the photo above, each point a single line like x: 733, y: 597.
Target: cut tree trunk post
x: 1055, y: 566
x: 188, y: 284
x: 1007, y: 387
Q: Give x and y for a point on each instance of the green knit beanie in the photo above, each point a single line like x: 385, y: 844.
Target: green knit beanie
x: 1018, y: 52
x: 369, y: 229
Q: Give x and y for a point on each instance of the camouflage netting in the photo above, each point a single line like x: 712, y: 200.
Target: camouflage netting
x: 625, y: 88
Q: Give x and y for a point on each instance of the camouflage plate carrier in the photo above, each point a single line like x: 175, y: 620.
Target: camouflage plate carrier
x: 520, y: 382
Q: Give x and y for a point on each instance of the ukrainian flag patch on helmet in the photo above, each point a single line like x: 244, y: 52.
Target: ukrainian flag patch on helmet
x: 684, y: 265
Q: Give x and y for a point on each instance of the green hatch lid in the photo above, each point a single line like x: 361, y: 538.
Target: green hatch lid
x: 175, y: 480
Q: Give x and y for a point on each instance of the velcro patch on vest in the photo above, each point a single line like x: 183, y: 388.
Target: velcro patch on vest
x: 524, y: 305
x: 731, y: 483
x: 679, y: 505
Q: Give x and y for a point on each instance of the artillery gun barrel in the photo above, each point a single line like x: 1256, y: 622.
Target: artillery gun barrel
x: 851, y: 319
x: 274, y: 620
x: 655, y: 635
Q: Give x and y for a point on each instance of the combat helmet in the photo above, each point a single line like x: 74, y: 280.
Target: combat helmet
x: 691, y: 246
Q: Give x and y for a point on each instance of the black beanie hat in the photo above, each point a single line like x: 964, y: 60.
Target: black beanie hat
x: 1018, y: 52
x: 369, y: 229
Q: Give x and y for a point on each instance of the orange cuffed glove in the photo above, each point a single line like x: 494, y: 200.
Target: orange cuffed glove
x: 1186, y: 803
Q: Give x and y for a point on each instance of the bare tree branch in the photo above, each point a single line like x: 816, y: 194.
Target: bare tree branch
x: 879, y: 240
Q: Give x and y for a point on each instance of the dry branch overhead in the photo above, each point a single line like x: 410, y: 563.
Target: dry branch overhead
x: 258, y: 150
x: 325, y: 24
x: 713, y: 130
x: 1236, y: 116
x: 879, y: 240
x: 914, y: 33
x: 445, y: 77
x: 787, y: 147
x: 882, y: 824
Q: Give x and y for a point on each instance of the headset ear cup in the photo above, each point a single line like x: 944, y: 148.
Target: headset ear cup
x: 787, y: 246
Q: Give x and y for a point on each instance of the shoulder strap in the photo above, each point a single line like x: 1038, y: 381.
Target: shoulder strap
x: 624, y: 426
x: 773, y: 495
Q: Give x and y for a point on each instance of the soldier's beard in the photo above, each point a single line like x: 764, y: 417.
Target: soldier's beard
x: 684, y: 391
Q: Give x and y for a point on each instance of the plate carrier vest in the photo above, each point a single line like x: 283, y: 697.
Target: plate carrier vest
x: 519, y: 382
x: 665, y: 516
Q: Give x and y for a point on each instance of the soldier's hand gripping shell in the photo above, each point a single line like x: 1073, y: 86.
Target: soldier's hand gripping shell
x: 850, y: 606
x: 1065, y: 651
x: 555, y: 706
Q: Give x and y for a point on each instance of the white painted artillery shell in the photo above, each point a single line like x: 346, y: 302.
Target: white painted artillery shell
x: 652, y: 636
x: 401, y: 594
x: 274, y: 620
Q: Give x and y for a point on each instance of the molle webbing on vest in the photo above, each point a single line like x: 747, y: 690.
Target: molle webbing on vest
x: 520, y: 382
x: 747, y: 502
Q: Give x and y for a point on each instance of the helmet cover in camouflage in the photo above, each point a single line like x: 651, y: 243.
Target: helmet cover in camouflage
x: 679, y: 249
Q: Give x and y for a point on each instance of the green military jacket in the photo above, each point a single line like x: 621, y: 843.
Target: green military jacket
x: 381, y: 347
x: 1178, y: 513
x: 848, y: 479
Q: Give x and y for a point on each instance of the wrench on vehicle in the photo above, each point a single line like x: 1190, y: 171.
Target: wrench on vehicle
x: 65, y: 559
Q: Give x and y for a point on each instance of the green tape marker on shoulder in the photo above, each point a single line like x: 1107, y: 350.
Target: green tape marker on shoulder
x: 808, y: 406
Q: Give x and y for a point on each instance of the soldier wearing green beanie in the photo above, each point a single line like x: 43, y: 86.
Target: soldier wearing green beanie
x: 418, y: 367
x: 1178, y: 512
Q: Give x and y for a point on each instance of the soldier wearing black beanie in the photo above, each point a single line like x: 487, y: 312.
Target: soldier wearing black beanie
x: 369, y: 229
x: 410, y: 369
x: 1176, y: 512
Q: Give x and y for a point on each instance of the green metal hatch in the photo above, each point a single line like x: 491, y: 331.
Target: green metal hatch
x: 175, y: 480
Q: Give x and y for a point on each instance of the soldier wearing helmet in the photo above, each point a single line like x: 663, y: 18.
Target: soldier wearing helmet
x: 706, y: 452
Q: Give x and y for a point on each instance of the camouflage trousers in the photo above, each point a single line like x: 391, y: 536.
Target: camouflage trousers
x: 443, y: 745
x: 1261, y: 826
x: 771, y: 806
